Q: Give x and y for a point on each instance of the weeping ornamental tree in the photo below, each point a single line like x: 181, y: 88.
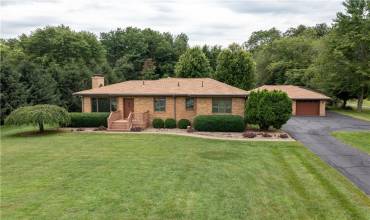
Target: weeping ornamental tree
x: 38, y: 115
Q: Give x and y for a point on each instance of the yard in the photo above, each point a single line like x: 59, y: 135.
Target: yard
x: 360, y: 140
x: 364, y: 115
x: 137, y: 176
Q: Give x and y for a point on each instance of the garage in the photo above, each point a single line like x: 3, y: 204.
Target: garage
x: 305, y: 102
x: 308, y: 107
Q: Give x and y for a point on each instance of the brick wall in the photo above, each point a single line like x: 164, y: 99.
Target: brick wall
x: 86, y: 104
x: 294, y: 107
x: 322, y: 108
x: 202, y: 106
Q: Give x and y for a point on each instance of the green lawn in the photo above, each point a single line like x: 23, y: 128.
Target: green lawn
x: 360, y: 140
x: 353, y: 103
x: 364, y: 115
x: 142, y: 176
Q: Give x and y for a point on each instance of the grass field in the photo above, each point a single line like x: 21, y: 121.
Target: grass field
x: 142, y: 176
x: 364, y: 115
x: 360, y: 140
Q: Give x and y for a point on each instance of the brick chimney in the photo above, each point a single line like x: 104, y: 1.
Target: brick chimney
x: 97, y: 81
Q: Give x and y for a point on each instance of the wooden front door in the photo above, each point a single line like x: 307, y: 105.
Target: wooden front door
x: 308, y: 108
x: 128, y: 106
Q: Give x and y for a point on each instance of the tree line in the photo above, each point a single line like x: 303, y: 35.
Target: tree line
x: 48, y: 65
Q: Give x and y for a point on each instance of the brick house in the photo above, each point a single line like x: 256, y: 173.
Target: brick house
x: 137, y: 102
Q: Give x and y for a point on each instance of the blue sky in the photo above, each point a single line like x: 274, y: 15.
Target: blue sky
x: 205, y: 22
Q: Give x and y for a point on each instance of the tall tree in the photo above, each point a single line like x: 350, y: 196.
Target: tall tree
x: 148, y: 71
x: 212, y: 53
x: 193, y: 63
x: 260, y: 38
x: 235, y: 67
x: 275, y: 60
x: 13, y: 93
x: 352, y: 34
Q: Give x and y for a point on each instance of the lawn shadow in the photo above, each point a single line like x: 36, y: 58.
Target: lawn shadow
x: 219, y: 155
x: 36, y: 133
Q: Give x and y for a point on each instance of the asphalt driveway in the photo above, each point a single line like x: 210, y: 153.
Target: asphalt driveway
x: 314, y: 133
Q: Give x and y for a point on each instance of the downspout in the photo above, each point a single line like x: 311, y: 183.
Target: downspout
x: 174, y: 107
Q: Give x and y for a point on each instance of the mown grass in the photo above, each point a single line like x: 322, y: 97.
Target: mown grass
x: 364, y: 115
x: 139, y: 176
x: 359, y: 139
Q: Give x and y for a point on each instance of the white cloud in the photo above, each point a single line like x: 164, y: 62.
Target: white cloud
x: 211, y: 22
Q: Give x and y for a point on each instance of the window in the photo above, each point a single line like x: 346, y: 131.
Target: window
x: 103, y: 104
x: 189, y: 103
x: 113, y: 104
x: 221, y: 105
x: 160, y: 104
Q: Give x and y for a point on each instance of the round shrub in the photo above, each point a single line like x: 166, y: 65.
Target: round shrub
x: 88, y: 119
x: 268, y: 108
x: 170, y: 123
x: 183, y: 123
x: 224, y: 123
x: 158, y: 123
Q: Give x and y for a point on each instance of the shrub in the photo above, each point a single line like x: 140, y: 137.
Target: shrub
x: 88, y: 119
x: 267, y: 109
x: 232, y: 123
x: 249, y: 134
x: 170, y: 123
x: 38, y: 115
x: 183, y: 123
x: 266, y: 135
x: 158, y: 123
x: 136, y: 129
x: 283, y: 135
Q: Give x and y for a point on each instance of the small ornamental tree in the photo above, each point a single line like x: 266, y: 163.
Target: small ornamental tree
x: 267, y: 109
x: 39, y: 115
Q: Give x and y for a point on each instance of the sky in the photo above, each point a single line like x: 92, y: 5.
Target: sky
x: 219, y: 22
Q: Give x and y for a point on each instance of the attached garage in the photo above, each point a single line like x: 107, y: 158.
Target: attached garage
x: 305, y: 102
x: 308, y: 107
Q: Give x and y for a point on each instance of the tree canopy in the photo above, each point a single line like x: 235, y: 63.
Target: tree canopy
x: 235, y: 67
x: 193, y: 63
x: 38, y: 115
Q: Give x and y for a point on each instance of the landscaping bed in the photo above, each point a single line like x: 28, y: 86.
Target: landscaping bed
x: 275, y: 135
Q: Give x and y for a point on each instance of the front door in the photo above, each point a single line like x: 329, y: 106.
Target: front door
x: 128, y: 104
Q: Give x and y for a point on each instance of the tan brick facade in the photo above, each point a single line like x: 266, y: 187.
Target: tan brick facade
x: 322, y: 108
x: 202, y: 106
x: 86, y: 104
x: 294, y: 104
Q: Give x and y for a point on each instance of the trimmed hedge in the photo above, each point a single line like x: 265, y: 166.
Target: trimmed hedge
x: 158, y: 123
x: 88, y: 119
x: 170, y: 123
x: 225, y: 123
x: 183, y: 123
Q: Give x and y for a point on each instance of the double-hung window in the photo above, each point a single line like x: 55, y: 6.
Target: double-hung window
x: 160, y: 104
x: 221, y: 105
x: 189, y: 103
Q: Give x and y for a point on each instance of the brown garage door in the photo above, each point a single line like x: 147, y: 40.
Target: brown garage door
x: 308, y: 107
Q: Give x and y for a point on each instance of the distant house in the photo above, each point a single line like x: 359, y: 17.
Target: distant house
x: 137, y: 102
x: 305, y: 102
